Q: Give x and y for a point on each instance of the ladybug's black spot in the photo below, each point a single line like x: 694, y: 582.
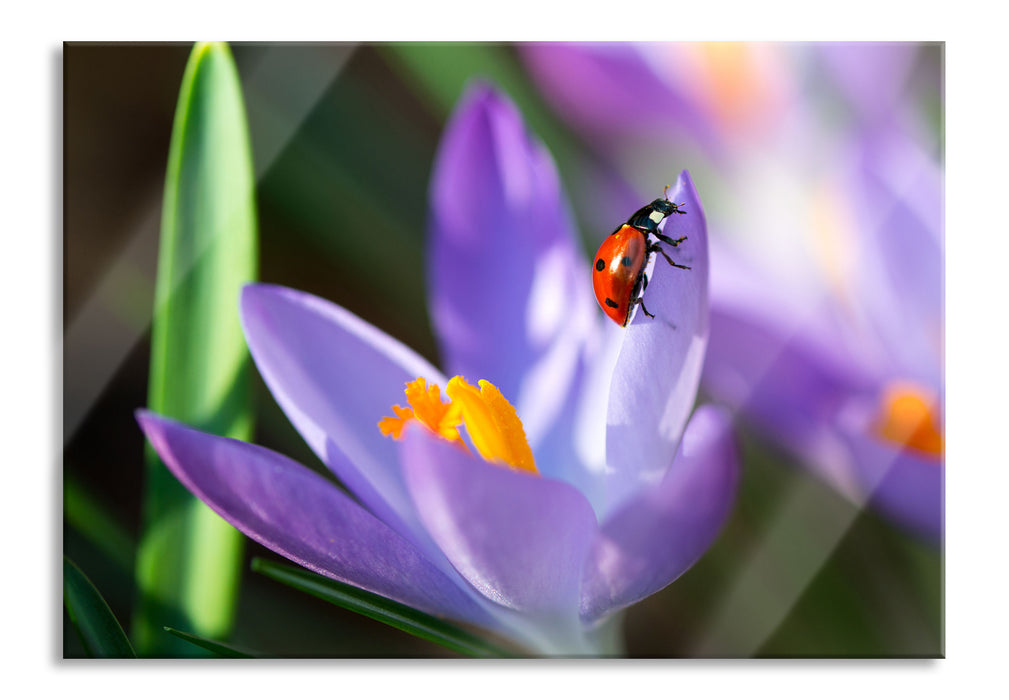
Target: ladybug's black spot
x: 600, y: 264
x: 625, y: 261
x: 612, y: 304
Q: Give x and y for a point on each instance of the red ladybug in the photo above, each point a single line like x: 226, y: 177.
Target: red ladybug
x: 618, y: 275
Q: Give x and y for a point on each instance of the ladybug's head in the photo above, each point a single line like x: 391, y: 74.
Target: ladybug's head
x: 664, y: 206
x: 648, y: 218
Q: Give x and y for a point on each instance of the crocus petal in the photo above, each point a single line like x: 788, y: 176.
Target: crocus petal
x: 785, y: 362
x: 654, y: 382
x: 870, y: 75
x: 905, y: 484
x: 509, y: 301
x: 782, y: 386
x: 661, y: 532
x: 335, y: 376
x: 899, y: 281
x: 786, y: 384
x: 298, y: 514
x: 609, y: 88
x: 520, y: 539
x: 575, y: 449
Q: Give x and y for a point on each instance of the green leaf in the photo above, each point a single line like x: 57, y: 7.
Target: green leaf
x: 215, y: 647
x: 98, y: 628
x: 382, y: 609
x: 189, y: 559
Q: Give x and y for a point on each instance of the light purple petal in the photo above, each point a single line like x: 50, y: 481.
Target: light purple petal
x: 507, y: 282
x: 336, y: 376
x: 298, y: 514
x: 520, y: 539
x: 654, y: 382
x: 871, y: 75
x: 786, y: 385
x: 899, y: 195
x: 906, y: 485
x: 785, y: 362
x: 557, y: 455
x: 660, y: 533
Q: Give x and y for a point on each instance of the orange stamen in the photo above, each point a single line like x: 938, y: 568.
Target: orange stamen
x: 427, y: 407
x: 491, y: 422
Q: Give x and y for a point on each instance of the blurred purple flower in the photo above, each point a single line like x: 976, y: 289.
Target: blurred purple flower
x: 827, y: 278
x: 724, y: 95
x: 847, y: 373
x: 629, y: 493
x: 871, y: 77
x: 714, y: 94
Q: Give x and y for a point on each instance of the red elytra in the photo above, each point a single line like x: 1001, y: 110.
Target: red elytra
x: 618, y: 268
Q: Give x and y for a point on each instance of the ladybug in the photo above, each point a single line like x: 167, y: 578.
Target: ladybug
x: 618, y: 274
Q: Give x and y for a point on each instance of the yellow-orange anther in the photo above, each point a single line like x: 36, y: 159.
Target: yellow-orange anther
x: 909, y: 416
x: 427, y: 407
x: 394, y: 426
x: 492, y: 424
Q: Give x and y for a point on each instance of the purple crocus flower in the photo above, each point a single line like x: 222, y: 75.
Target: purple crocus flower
x: 827, y: 280
x: 630, y: 485
x: 847, y: 374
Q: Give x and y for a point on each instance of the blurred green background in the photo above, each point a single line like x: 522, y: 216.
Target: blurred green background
x: 337, y: 131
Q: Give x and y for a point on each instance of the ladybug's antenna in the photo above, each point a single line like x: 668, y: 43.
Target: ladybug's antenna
x: 665, y: 193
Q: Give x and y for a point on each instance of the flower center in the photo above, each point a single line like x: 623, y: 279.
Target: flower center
x: 491, y: 422
x: 733, y: 79
x: 909, y: 416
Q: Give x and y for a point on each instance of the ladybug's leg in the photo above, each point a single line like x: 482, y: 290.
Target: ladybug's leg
x: 641, y: 302
x: 666, y: 239
x: 656, y: 247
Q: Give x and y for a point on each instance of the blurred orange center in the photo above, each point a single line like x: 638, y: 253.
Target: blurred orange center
x: 909, y: 416
x: 734, y: 82
x: 491, y: 422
